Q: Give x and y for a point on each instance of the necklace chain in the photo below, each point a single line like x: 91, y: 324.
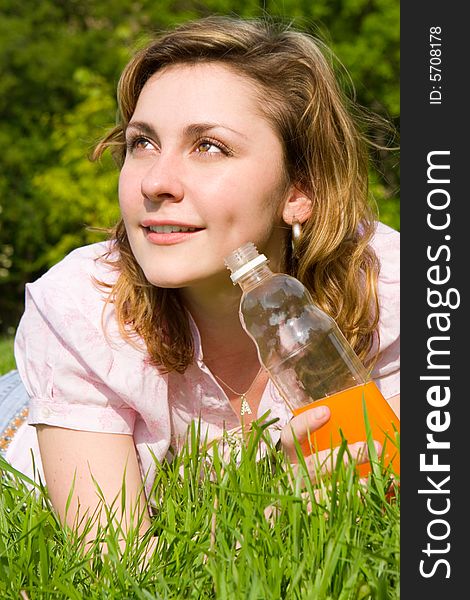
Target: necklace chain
x: 245, y: 407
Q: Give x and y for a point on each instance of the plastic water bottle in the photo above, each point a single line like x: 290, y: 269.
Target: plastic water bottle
x: 308, y: 358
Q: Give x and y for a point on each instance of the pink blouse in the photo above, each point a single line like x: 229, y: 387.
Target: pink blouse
x: 82, y: 376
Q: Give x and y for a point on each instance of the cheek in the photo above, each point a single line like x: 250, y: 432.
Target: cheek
x: 126, y: 190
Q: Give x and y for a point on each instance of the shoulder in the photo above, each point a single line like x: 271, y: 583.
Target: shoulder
x: 386, y: 244
x: 73, y: 281
x: 68, y: 338
x: 83, y: 261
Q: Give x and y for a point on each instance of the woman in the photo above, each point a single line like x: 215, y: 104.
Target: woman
x: 230, y: 131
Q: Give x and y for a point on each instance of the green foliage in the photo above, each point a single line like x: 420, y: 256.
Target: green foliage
x: 232, y: 527
x: 7, y: 359
x: 60, y: 62
x: 79, y: 193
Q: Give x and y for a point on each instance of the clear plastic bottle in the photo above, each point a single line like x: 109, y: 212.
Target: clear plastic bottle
x: 308, y: 358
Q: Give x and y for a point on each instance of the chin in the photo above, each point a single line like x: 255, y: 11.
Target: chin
x: 164, y: 282
x: 168, y: 280
x: 195, y: 279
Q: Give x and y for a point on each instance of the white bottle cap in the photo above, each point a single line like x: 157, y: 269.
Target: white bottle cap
x: 242, y: 260
x: 260, y: 259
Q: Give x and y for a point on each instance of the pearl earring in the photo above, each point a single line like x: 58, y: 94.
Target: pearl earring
x: 296, y: 232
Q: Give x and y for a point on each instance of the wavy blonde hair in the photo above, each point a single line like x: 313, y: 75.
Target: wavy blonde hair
x: 325, y: 154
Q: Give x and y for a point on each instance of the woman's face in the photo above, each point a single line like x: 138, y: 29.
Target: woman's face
x: 203, y: 174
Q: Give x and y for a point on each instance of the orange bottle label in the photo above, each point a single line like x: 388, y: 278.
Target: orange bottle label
x: 347, y: 416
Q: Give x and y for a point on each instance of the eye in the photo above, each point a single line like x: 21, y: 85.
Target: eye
x: 208, y: 146
x: 138, y: 143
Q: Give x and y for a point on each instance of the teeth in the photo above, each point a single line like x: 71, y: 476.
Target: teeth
x: 170, y: 229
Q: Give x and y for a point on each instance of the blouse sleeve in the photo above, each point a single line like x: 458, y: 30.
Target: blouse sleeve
x: 65, y: 360
x: 386, y: 370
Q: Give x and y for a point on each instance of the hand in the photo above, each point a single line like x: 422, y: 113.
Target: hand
x: 323, y: 461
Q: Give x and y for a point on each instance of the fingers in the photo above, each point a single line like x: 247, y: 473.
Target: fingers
x: 323, y: 462
x: 300, y: 426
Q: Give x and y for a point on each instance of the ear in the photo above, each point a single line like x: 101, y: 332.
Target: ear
x: 298, y: 206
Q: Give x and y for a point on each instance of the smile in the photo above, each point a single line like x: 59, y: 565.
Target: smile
x: 171, y: 229
x: 168, y: 234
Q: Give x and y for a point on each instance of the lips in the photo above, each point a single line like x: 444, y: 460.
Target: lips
x: 168, y: 233
x: 168, y: 226
x: 171, y: 228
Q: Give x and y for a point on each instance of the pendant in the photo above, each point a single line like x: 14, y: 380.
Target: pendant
x: 245, y: 407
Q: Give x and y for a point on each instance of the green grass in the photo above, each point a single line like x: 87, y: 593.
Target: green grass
x: 336, y: 541
x: 7, y: 360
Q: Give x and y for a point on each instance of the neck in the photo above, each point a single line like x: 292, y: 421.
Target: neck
x: 225, y: 344
x: 228, y: 351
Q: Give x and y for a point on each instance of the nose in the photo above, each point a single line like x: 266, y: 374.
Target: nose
x: 162, y: 180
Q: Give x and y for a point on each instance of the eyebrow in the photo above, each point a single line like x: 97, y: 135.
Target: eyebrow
x: 193, y: 130
x: 142, y: 127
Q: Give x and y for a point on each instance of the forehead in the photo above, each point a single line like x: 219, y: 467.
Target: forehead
x: 195, y: 90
